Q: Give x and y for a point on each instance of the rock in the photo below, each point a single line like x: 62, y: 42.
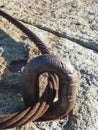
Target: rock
x: 86, y: 110
x: 73, y: 19
x: 63, y: 26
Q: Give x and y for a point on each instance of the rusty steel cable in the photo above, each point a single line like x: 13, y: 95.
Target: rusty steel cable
x: 41, y: 46
x: 13, y: 120
x: 41, y: 108
x: 7, y: 121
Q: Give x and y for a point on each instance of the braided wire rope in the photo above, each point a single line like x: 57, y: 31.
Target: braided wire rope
x: 19, y: 118
x: 43, y: 108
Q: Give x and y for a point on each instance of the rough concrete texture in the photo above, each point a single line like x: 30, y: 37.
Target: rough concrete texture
x: 68, y: 28
x: 76, y: 20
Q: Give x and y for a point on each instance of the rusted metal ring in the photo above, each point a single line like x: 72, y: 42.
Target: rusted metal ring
x: 67, y: 84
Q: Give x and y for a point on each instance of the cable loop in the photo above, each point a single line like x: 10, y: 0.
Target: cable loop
x: 62, y: 81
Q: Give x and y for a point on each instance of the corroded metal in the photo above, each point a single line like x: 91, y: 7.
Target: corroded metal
x: 43, y: 108
x: 67, y: 84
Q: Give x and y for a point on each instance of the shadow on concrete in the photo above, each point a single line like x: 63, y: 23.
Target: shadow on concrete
x: 14, y: 54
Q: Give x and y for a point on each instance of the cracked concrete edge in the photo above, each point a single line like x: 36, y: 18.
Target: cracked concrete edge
x: 90, y: 44
x: 85, y: 43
